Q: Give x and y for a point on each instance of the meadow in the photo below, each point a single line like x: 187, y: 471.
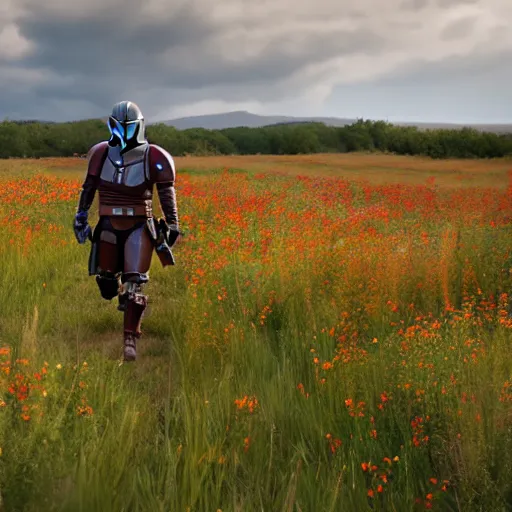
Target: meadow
x: 335, y: 336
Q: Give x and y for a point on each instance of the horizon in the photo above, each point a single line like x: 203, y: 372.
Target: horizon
x: 308, y: 117
x: 218, y: 113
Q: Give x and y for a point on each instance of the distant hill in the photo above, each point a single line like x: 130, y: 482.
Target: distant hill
x: 243, y: 118
x: 247, y: 119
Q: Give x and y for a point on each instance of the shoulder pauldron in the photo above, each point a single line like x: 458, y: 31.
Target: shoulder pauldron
x: 161, y: 165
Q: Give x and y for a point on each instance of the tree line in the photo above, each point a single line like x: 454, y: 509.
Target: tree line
x: 33, y: 139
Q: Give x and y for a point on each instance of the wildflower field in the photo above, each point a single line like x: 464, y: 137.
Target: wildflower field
x: 335, y: 336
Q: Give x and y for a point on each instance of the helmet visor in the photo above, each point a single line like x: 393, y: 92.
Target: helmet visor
x: 123, y: 130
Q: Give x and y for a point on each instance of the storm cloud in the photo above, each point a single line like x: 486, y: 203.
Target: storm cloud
x: 63, y: 61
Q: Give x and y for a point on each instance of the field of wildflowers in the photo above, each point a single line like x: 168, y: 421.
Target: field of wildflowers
x: 325, y: 342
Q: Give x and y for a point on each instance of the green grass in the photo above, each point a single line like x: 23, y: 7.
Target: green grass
x: 377, y: 339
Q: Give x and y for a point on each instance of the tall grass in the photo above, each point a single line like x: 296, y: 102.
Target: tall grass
x: 320, y: 345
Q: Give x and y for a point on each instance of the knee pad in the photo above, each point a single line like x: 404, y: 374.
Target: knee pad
x: 108, y: 285
x: 132, y: 292
x: 135, y: 277
x: 131, y: 288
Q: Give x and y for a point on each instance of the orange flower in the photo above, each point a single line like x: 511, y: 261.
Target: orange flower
x: 249, y: 403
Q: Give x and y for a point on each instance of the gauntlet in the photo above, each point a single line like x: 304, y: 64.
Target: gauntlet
x: 81, y: 227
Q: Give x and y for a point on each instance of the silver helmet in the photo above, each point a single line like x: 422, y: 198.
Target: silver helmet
x: 126, y: 125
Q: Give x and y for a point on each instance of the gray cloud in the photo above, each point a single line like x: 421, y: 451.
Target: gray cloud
x: 414, y: 5
x: 111, y: 55
x: 454, y: 71
x: 64, y: 61
x: 459, y: 29
x: 468, y: 90
x: 451, y: 3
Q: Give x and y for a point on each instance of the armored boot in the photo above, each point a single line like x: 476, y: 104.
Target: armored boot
x: 136, y: 303
x: 130, y: 346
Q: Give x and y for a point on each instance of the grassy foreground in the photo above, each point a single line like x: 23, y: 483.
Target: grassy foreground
x: 322, y: 344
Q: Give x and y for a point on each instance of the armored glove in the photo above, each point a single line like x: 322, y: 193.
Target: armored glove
x: 81, y: 227
x: 173, y: 234
x: 170, y: 232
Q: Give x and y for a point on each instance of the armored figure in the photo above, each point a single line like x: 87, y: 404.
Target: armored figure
x: 124, y: 171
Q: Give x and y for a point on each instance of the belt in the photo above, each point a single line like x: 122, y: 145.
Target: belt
x: 124, y: 211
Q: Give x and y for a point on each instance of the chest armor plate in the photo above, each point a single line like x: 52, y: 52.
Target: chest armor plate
x: 129, y: 169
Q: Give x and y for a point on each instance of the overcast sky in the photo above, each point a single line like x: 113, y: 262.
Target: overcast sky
x: 400, y: 60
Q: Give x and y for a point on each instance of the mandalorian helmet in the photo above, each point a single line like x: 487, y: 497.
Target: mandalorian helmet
x: 126, y: 124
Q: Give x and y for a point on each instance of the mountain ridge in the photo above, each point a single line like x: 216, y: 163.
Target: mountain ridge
x: 242, y: 118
